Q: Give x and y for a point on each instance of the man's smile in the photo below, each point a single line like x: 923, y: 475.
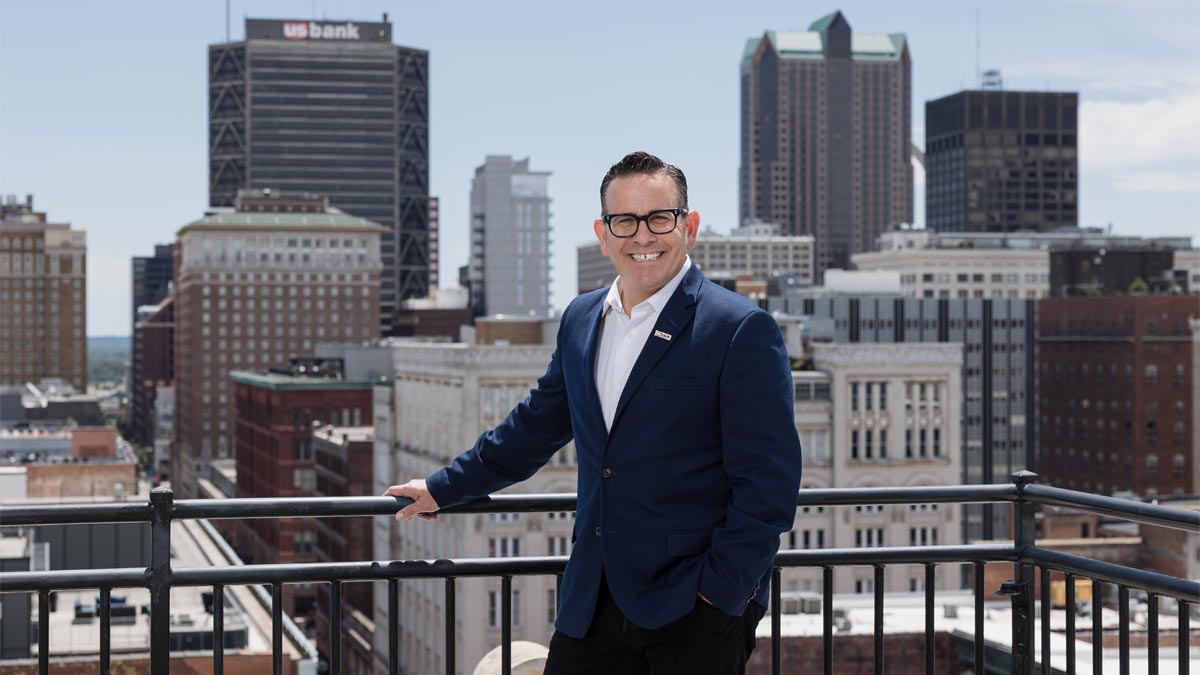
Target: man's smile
x: 645, y: 257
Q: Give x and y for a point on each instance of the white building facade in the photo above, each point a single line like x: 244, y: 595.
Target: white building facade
x: 756, y: 250
x: 443, y: 397
x: 874, y: 415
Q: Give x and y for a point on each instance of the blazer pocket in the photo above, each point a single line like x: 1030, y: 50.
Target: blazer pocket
x: 683, y: 544
x: 668, y: 382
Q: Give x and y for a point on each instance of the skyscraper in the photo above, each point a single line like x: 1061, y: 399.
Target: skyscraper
x: 1001, y: 161
x: 826, y: 129
x: 43, y: 291
x: 336, y: 109
x: 509, y: 270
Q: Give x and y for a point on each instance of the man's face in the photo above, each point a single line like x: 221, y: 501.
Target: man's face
x: 645, y: 261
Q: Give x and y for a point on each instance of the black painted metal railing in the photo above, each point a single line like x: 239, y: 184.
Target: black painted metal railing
x: 1028, y: 559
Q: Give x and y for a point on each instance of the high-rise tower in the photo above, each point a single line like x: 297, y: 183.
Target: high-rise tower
x: 826, y: 135
x: 331, y: 108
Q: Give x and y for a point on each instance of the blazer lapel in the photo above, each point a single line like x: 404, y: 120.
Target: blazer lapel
x: 674, y: 318
x: 590, y: 347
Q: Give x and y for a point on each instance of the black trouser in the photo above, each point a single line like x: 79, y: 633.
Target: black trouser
x: 704, y: 641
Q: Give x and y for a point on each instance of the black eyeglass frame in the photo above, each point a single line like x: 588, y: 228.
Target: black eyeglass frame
x: 676, y: 212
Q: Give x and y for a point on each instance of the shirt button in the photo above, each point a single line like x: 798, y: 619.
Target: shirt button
x: 597, y: 532
x: 607, y: 472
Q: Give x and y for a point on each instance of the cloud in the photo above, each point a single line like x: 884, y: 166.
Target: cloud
x: 1158, y: 182
x: 1161, y: 130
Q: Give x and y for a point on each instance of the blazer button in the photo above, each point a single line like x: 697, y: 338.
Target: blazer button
x: 597, y: 532
x: 607, y: 472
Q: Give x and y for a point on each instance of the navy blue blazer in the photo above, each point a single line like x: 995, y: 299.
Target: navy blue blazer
x: 696, y: 480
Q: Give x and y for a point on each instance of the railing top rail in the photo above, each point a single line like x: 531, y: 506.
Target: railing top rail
x: 919, y: 494
x: 1126, y: 509
x: 897, y: 555
x: 1133, y: 577
x: 64, y: 514
x: 307, y: 507
x: 73, y: 580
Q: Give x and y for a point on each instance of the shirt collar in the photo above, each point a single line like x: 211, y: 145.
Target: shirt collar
x: 612, y: 301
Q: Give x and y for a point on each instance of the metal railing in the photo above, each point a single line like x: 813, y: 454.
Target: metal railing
x: 1028, y: 559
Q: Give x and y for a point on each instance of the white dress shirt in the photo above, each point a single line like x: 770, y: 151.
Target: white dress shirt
x: 622, y: 339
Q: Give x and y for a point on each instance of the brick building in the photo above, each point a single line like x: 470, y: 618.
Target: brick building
x: 343, y: 464
x: 44, y: 294
x: 276, y: 415
x: 1116, y: 394
x: 258, y: 284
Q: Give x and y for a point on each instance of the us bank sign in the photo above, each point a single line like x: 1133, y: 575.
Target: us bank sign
x: 312, y: 30
x: 323, y: 31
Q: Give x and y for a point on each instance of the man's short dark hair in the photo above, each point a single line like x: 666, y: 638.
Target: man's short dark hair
x: 644, y: 163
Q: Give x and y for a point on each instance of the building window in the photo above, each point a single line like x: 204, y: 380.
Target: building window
x: 922, y: 536
x: 304, y: 449
x: 937, y: 442
x: 869, y: 393
x: 883, y: 444
x: 504, y: 547
x: 854, y: 444
x: 302, y: 543
x: 870, y: 537
x: 551, y: 605
x: 1151, y: 375
x: 1177, y: 464
x: 557, y: 546
x: 854, y: 396
x: 304, y: 479
x: 1151, y: 466
x: 883, y: 396
x: 864, y: 585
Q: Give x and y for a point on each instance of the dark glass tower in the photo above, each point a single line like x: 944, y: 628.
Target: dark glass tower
x: 1001, y: 161
x: 332, y: 108
x: 152, y: 276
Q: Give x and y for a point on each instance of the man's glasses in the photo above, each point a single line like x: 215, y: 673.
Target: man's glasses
x: 625, y: 225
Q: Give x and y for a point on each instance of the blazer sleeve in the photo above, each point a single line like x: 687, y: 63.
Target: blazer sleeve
x: 533, y: 431
x: 762, y: 461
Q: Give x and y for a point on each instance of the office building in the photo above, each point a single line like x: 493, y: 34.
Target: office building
x: 997, y: 405
x: 342, y: 459
x: 878, y: 415
x: 153, y: 367
x: 277, y: 413
x: 826, y: 123
x: 43, y: 289
x: 443, y: 396
x: 757, y: 250
x: 1002, y: 161
x: 1017, y: 264
x: 255, y: 288
x: 509, y: 268
x: 1116, y: 385
x: 332, y: 108
x: 152, y: 278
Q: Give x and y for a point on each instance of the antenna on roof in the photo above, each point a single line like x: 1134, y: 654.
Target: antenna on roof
x: 226, y: 20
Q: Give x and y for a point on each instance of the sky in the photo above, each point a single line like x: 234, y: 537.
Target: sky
x: 103, y: 106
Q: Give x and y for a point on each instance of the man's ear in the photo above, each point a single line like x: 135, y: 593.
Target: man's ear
x: 691, y: 227
x: 601, y: 229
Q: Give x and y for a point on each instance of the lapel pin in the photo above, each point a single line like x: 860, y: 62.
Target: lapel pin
x: 664, y: 336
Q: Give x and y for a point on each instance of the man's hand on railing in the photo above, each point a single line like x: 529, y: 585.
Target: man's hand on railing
x: 423, y: 506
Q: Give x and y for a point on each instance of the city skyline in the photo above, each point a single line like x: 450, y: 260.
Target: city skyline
x: 140, y: 139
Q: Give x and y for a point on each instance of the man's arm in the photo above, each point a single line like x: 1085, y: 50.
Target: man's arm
x: 761, y: 459
x: 537, y: 428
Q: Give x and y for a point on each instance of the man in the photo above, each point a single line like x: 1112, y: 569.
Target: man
x: 679, y: 397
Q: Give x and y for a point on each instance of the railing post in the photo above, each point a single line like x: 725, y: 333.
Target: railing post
x: 161, y: 503
x: 1024, y: 537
